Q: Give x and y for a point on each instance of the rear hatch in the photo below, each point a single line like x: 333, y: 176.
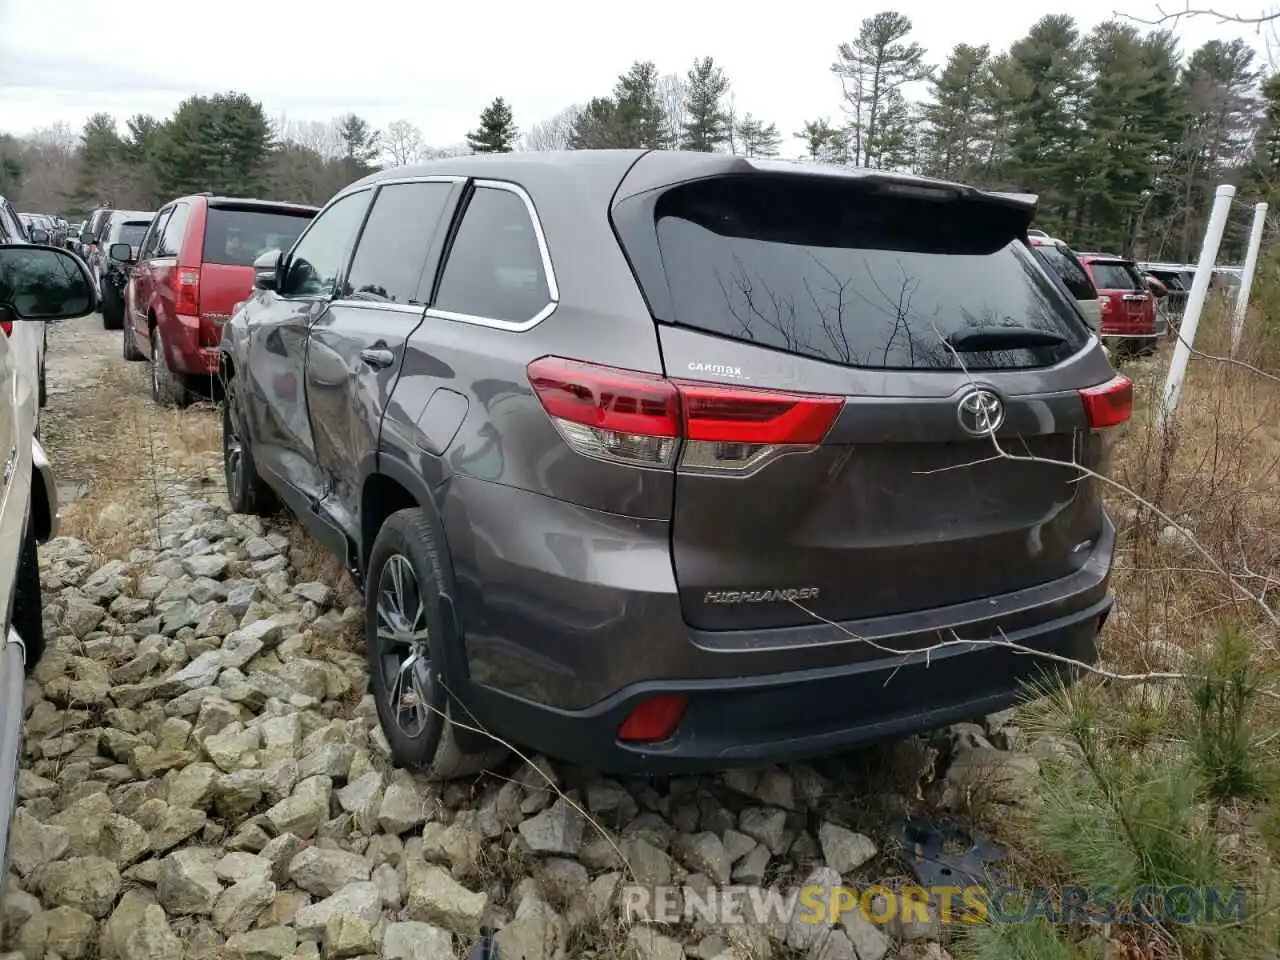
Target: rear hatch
x: 1128, y: 308
x: 836, y: 342
x: 236, y: 234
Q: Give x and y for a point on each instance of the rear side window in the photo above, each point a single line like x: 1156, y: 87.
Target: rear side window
x: 858, y: 277
x: 495, y: 268
x: 237, y: 237
x: 1069, y: 270
x: 393, y: 247
x: 171, y: 240
x: 1115, y: 276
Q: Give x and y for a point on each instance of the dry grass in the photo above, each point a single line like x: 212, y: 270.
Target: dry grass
x: 1173, y: 782
x: 132, y: 457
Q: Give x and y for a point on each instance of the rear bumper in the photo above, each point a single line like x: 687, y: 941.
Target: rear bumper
x: 186, y: 356
x: 571, y: 618
x: 790, y: 716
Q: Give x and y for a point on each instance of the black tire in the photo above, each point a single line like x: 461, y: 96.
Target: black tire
x: 247, y: 492
x: 112, y: 307
x: 407, y: 547
x: 28, y: 618
x: 168, y: 389
x: 130, y: 345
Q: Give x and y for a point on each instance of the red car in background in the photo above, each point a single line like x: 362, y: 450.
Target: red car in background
x: 192, y: 268
x: 1128, y: 304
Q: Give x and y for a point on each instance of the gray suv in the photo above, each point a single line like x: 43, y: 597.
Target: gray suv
x: 659, y: 461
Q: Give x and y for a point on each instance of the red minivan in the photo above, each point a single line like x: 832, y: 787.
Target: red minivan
x: 192, y: 268
x: 1128, y: 306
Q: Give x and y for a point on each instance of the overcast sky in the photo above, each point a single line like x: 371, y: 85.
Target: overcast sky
x: 439, y: 64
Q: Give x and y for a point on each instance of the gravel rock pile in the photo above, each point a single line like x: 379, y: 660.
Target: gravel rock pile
x: 204, y: 777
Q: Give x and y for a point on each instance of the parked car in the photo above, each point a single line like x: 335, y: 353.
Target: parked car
x: 123, y: 229
x: 1128, y: 310
x: 90, y: 239
x: 624, y: 483
x: 1061, y: 259
x: 194, y: 266
x: 36, y: 284
x: 73, y: 237
x: 26, y: 343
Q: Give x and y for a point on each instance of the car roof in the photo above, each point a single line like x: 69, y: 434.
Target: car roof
x: 601, y: 169
x: 217, y: 200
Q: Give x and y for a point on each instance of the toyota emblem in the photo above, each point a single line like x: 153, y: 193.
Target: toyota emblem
x: 980, y: 412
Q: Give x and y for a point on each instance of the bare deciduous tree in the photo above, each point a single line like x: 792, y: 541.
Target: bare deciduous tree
x: 671, y: 93
x: 403, y: 144
x: 554, y: 133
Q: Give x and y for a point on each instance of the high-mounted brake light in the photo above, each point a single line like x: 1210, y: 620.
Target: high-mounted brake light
x: 641, y: 418
x: 1108, y: 404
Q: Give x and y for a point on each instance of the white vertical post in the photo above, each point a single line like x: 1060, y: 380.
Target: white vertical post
x: 1195, y: 304
x: 1246, y: 277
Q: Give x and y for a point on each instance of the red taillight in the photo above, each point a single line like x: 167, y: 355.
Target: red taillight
x: 641, y: 418
x: 734, y: 415
x: 187, y: 296
x: 1108, y: 404
x: 654, y: 719
x: 6, y: 327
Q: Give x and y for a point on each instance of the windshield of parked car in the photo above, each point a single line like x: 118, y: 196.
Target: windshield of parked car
x: 239, y: 236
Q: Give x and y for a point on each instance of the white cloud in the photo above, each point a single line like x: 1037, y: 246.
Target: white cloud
x: 438, y: 65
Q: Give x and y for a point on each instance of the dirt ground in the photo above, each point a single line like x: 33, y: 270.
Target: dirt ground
x: 106, y: 439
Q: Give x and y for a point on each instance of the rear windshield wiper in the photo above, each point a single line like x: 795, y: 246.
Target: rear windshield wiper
x: 1002, y: 338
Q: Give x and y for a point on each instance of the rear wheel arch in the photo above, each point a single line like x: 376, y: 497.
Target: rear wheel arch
x: 41, y: 512
x: 389, y: 486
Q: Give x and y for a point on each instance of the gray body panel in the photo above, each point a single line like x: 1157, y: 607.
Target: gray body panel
x: 580, y: 583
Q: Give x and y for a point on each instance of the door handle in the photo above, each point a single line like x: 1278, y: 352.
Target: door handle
x: 378, y: 359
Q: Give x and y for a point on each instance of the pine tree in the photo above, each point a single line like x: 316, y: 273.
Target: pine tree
x: 497, y: 132
x: 98, y: 161
x: 873, y: 69
x: 706, y: 126
x: 757, y: 138
x: 956, y: 115
x: 597, y: 127
x: 639, y: 114
x: 220, y: 143
x: 823, y: 142
x: 361, y: 144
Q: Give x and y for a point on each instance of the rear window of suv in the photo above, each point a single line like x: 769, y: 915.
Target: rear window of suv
x: 855, y: 276
x: 1115, y: 276
x: 132, y: 232
x: 239, y: 236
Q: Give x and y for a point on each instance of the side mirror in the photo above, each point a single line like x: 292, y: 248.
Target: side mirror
x: 39, y: 235
x: 266, y: 270
x: 45, y: 283
x: 122, y: 252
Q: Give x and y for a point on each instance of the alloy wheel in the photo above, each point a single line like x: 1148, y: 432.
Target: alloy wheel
x: 403, y: 652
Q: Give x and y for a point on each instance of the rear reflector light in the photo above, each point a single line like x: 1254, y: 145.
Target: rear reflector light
x: 653, y: 720
x: 188, y: 292
x: 641, y: 418
x: 1108, y: 404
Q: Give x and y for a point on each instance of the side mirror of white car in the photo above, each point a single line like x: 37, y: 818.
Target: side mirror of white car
x: 45, y: 283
